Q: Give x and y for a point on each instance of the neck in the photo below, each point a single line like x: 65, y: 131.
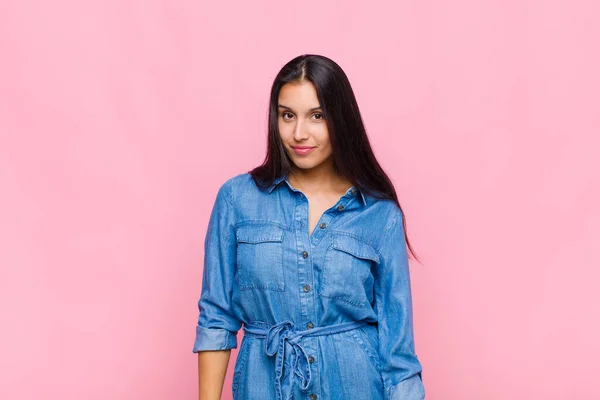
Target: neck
x: 315, y: 180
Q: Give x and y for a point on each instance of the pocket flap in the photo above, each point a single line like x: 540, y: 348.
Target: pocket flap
x: 259, y: 233
x: 355, y: 247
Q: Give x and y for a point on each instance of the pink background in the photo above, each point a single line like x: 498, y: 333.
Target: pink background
x: 119, y: 120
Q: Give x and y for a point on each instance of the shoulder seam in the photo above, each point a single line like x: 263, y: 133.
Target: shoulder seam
x: 227, y: 189
x: 393, y: 218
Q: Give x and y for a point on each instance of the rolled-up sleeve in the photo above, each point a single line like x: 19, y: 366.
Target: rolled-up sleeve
x: 400, y: 367
x: 217, y: 325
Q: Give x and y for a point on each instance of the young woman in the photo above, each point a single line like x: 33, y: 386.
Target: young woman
x: 309, y: 253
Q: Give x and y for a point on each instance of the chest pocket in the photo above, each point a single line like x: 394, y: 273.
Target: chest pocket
x: 260, y: 257
x: 346, y: 273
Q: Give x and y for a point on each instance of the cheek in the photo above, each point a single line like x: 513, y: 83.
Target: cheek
x: 284, y: 131
x: 322, y: 136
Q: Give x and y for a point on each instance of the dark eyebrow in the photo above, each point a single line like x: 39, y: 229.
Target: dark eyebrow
x: 289, y: 108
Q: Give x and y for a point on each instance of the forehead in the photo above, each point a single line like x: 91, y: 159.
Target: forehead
x: 299, y: 95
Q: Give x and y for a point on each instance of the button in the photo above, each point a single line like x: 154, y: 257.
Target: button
x: 304, y: 254
x: 340, y: 207
x: 353, y: 191
x: 313, y: 396
x: 311, y: 359
x: 322, y: 225
x: 310, y: 325
x: 306, y: 288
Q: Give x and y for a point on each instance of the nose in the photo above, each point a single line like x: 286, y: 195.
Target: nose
x: 300, y: 132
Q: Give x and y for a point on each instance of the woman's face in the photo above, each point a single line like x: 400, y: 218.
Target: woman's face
x: 302, y: 128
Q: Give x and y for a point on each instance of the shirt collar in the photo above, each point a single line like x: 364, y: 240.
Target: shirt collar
x: 283, y: 177
x: 276, y: 182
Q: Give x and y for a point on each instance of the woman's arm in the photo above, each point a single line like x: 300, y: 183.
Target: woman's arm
x: 216, y: 331
x: 401, y: 369
x: 212, y: 367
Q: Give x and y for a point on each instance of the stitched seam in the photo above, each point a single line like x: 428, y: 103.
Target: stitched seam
x: 262, y: 222
x: 358, y: 237
x: 388, y: 228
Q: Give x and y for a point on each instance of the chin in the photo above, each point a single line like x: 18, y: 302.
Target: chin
x: 305, y: 164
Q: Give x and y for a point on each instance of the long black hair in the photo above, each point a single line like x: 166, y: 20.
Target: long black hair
x: 352, y: 155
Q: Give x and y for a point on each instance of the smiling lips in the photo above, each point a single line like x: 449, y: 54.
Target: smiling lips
x: 303, y: 150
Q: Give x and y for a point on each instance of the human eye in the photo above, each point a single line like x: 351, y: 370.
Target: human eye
x: 320, y: 116
x: 286, y: 113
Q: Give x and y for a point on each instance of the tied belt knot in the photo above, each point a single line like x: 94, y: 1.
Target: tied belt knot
x: 283, y: 341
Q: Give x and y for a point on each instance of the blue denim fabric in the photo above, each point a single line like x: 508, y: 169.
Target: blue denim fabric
x: 326, y: 315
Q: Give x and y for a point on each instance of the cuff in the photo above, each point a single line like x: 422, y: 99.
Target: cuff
x: 409, y: 389
x: 214, y: 339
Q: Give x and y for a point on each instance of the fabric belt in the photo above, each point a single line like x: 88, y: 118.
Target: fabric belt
x: 282, y: 339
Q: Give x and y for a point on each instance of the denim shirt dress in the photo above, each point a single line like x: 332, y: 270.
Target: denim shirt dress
x: 326, y: 315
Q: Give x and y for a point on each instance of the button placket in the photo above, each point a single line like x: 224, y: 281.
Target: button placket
x: 305, y: 243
